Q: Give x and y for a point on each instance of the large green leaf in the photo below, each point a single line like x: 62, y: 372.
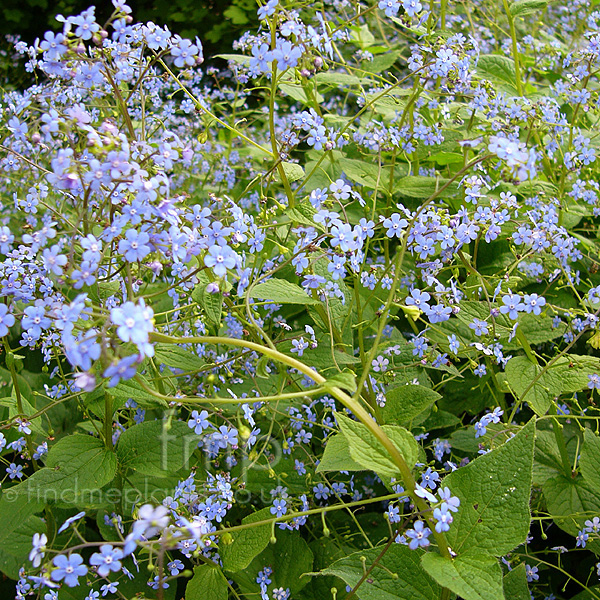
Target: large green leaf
x: 16, y: 517
x: 336, y: 456
x: 520, y: 8
x: 521, y: 372
x: 37, y: 424
x: 290, y: 558
x: 156, y: 448
x: 497, y: 68
x: 570, y: 501
x: 566, y: 375
x: 572, y: 370
x: 398, y: 574
x: 282, y: 291
x: 131, y: 388
x: 494, y: 493
x: 76, y: 468
x: 589, y: 463
x: 420, y: 187
x: 208, y: 583
x: 366, y: 450
x: 238, y: 553
x: 15, y: 549
x: 405, y: 402
x: 293, y: 171
x: 515, y: 584
x: 471, y: 576
x: 178, y: 357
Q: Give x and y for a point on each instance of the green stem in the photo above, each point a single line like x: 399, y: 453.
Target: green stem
x: 10, y: 363
x: 108, y: 415
x: 515, y: 47
x: 557, y: 428
x: 443, y: 14
x: 350, y: 403
x: 274, y: 150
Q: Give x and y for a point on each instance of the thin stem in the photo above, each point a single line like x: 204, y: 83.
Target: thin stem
x: 515, y: 47
x: 350, y: 403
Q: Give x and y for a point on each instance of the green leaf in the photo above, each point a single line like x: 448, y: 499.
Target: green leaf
x: 290, y: 558
x: 208, y: 583
x: 515, y: 584
x: 14, y: 512
x: 293, y: 171
x: 520, y: 372
x: 303, y: 213
x: 420, y: 187
x: 212, y: 303
x: 367, y: 451
x: 129, y: 389
x: 336, y: 79
x: 497, y: 68
x: 236, y: 15
x: 282, y: 291
x: 398, y: 575
x: 568, y: 374
x: 446, y: 158
x: 237, y: 58
x: 15, y: 549
x: 571, y: 501
x: 572, y: 371
x: 344, y: 380
x: 178, y: 357
x: 76, y: 468
x: 247, y: 543
x: 156, y: 448
x: 336, y: 456
x: 589, y: 463
x: 471, y: 576
x: 360, y: 171
x: 591, y: 593
x: 494, y: 493
x: 405, y: 402
x: 381, y: 62
x: 37, y: 425
x: 520, y: 8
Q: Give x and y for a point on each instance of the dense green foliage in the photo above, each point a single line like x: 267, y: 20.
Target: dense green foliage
x: 322, y: 323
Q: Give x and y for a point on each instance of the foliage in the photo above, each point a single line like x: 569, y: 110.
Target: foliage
x: 324, y: 323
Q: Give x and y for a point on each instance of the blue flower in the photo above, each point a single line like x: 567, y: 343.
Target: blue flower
x: 219, y: 259
x: 38, y: 548
x: 199, y: 421
x: 286, y: 54
x: 267, y: 10
x: 6, y: 320
x: 395, y: 225
x: 69, y: 569
x: 534, y: 303
x: 321, y: 492
x: 279, y: 507
x: 391, y: 7
x: 122, y: 370
x: 479, y: 327
x: 443, y: 517
x: 70, y: 521
x: 14, y: 471
x: 107, y: 560
x: 412, y: 7
x: 531, y: 573
x: 418, y: 536
x: 453, y: 343
x: 135, y: 245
